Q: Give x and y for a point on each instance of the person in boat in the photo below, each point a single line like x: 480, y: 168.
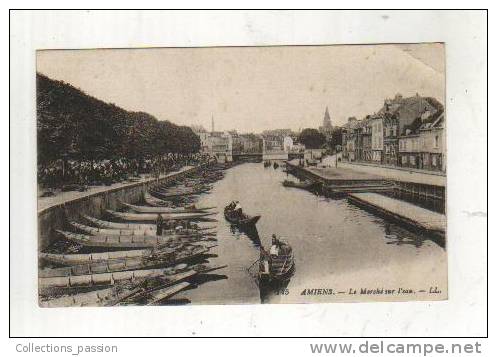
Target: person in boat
x: 159, y: 222
x: 274, y: 251
x: 275, y: 246
x: 231, y: 206
x: 238, y: 209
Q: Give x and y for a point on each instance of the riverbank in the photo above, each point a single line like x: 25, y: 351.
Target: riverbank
x: 398, y: 174
x: 360, y: 186
x: 55, y: 211
x: 66, y: 197
x: 358, y: 171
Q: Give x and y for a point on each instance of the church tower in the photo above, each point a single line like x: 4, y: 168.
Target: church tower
x: 326, y: 129
x: 327, y: 119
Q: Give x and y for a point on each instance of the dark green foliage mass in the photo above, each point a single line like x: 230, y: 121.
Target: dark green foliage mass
x: 312, y: 139
x: 74, y: 125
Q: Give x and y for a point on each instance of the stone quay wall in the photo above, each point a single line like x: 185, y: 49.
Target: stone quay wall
x: 95, y: 204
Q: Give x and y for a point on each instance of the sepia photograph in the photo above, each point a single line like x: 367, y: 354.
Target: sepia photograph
x: 241, y: 175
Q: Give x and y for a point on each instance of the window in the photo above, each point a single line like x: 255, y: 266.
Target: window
x: 436, y: 141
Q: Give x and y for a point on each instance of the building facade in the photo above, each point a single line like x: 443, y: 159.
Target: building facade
x: 251, y: 143
x: 365, y: 132
x: 377, y: 139
x: 217, y: 144
x: 422, y: 144
x: 433, y: 145
x: 221, y: 146
x: 390, y: 139
x: 349, y: 139
x: 405, y: 132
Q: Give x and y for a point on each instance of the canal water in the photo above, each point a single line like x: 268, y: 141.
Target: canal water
x: 337, y: 246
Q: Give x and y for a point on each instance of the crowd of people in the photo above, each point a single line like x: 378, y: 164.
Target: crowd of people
x: 70, y: 174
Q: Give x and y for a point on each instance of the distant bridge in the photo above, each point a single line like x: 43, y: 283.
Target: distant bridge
x: 247, y: 156
x: 266, y: 156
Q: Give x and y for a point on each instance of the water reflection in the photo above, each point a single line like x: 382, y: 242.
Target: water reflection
x: 249, y: 232
x: 396, y: 235
x: 330, y: 239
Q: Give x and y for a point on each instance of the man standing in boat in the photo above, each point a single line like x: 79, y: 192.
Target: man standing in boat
x: 159, y: 222
x: 275, y: 246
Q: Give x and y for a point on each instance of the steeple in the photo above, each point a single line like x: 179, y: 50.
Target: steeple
x: 212, y: 123
x: 327, y: 119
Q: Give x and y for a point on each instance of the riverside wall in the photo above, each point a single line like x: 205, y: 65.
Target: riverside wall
x: 94, y: 204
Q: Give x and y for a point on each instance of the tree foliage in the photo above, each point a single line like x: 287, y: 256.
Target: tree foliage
x: 312, y: 138
x: 72, y: 124
x: 336, y: 137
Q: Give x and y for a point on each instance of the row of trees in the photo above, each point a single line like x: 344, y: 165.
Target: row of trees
x: 74, y: 125
x: 313, y: 139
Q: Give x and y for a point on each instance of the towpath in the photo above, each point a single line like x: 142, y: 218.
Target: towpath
x: 63, y: 197
x: 353, y: 171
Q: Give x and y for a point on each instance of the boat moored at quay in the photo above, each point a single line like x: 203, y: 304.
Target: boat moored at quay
x: 165, y: 250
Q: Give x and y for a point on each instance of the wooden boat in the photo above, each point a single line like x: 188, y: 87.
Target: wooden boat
x: 101, y: 297
x: 115, y: 241
x: 147, y: 209
x: 139, y: 293
x: 165, y: 293
x: 132, y: 226
x: 132, y: 232
x: 119, y: 225
x: 156, y: 202
x: 105, y: 231
x: 306, y: 185
x: 276, y: 268
x: 168, y: 194
x: 110, y: 295
x: 152, y: 217
x: 98, y: 279
x: 135, y: 263
x: 245, y: 221
x: 182, y: 188
x: 76, y: 259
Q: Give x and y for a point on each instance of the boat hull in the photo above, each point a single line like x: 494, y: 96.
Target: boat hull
x: 147, y: 209
x: 249, y: 221
x: 152, y: 217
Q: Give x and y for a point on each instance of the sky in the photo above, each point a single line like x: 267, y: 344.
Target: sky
x: 252, y: 89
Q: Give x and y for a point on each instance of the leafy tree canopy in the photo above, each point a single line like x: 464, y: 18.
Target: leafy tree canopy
x: 312, y: 138
x: 72, y: 124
